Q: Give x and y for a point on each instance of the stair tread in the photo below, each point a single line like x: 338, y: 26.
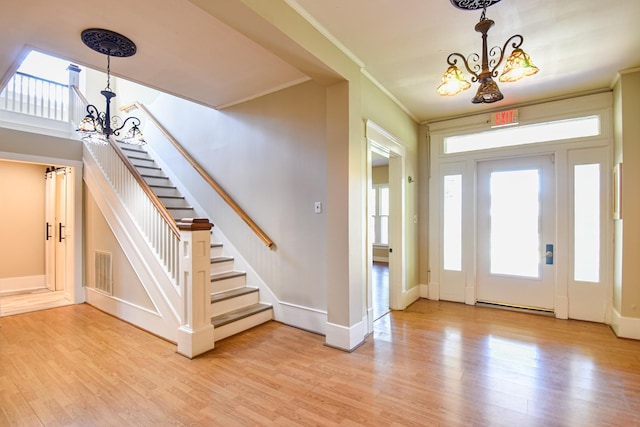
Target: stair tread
x: 217, y: 259
x: 154, y: 176
x: 221, y: 296
x: 227, y: 275
x: 170, y: 197
x: 172, y: 187
x: 156, y: 168
x: 242, y: 313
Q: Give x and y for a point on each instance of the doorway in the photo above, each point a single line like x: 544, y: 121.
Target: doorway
x: 45, y: 277
x: 392, y: 276
x: 516, y: 232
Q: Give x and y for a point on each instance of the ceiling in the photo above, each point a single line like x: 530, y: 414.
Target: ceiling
x: 220, y: 52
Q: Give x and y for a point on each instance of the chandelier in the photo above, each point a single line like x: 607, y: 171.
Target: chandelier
x: 483, y: 68
x: 98, y: 126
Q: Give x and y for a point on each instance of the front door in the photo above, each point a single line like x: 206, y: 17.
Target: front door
x: 516, y: 232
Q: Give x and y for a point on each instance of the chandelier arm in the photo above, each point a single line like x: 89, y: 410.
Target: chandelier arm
x: 517, y: 42
x: 453, y: 61
x: 134, y: 120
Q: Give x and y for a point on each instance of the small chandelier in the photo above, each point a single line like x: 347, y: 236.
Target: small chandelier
x: 517, y: 65
x: 98, y: 126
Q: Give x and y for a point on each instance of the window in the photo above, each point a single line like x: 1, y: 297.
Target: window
x: 379, y: 209
x: 452, y: 219
x: 586, y: 211
x: 529, y: 134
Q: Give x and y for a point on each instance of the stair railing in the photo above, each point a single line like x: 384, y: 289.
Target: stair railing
x: 35, y: 96
x: 218, y: 189
x: 152, y: 218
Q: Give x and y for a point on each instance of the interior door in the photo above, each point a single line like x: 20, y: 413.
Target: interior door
x: 516, y: 232
x: 61, y: 228
x: 50, y: 230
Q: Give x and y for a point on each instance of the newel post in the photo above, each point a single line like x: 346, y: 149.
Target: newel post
x: 76, y: 108
x: 195, y: 334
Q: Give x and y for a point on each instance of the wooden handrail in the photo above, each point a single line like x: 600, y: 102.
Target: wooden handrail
x: 164, y: 213
x: 237, y: 209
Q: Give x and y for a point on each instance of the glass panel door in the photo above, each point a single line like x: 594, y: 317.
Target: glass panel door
x: 516, y: 232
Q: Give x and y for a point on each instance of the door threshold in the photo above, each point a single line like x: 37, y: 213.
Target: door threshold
x: 521, y: 309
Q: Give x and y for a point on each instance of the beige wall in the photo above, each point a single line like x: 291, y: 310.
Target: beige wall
x: 22, y: 219
x: 99, y: 237
x: 627, y: 229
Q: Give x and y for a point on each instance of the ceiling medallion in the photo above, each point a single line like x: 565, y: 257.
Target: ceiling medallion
x: 473, y: 4
x: 108, y: 42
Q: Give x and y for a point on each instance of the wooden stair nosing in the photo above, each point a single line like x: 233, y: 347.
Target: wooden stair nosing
x: 233, y: 293
x: 240, y: 314
x: 227, y: 275
x: 219, y: 259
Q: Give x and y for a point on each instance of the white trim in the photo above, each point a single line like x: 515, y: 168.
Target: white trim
x: 136, y: 315
x: 346, y: 338
x: 625, y: 327
x: 307, y: 318
x: 410, y: 296
x: 11, y: 285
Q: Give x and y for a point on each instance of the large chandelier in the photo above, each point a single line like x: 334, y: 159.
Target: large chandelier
x: 483, y: 68
x: 98, y: 126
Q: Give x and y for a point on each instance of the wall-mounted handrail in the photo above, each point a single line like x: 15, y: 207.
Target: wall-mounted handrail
x: 162, y: 210
x: 223, y: 194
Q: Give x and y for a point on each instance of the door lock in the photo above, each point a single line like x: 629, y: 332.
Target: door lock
x: 548, y: 255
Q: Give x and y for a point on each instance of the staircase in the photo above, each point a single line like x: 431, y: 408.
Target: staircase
x: 235, y: 307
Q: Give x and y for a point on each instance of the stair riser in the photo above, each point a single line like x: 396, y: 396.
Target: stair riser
x: 231, y: 304
x: 152, y: 172
x: 221, y: 267
x: 228, y: 284
x: 182, y: 213
x: 216, y: 250
x: 241, y: 325
x: 142, y: 162
x: 174, y: 203
x: 156, y: 181
x: 165, y: 191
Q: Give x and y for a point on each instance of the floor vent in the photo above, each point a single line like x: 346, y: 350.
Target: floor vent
x: 103, y: 276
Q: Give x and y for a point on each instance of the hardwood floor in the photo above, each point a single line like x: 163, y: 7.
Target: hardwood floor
x: 435, y: 363
x: 380, y: 291
x: 31, y: 301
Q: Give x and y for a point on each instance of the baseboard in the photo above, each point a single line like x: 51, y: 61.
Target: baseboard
x: 625, y: 327
x: 410, y: 296
x: 13, y: 285
x: 301, y: 317
x: 139, y: 316
x: 346, y: 338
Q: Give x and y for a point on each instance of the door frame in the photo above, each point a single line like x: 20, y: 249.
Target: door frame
x: 461, y: 285
x: 384, y: 142
x: 74, y: 291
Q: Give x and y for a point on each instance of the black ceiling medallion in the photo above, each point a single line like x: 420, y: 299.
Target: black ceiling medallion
x: 108, y: 42
x: 473, y: 4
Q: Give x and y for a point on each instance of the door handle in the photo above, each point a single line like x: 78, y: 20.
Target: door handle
x: 60, y: 227
x: 47, y: 231
x: 548, y: 255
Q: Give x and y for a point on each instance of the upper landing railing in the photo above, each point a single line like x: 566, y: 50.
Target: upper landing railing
x: 35, y: 96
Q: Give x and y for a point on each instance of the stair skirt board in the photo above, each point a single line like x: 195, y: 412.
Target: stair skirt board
x: 262, y: 315
x: 236, y: 299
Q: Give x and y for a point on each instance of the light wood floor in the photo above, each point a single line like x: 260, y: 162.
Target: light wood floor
x: 31, y: 301
x: 380, y: 291
x: 436, y: 363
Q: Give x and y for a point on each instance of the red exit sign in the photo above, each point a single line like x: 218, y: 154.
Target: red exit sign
x: 504, y: 118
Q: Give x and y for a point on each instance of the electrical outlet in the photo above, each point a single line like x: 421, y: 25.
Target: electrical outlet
x: 317, y: 207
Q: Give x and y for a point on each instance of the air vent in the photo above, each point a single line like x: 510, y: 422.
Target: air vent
x: 103, y: 277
